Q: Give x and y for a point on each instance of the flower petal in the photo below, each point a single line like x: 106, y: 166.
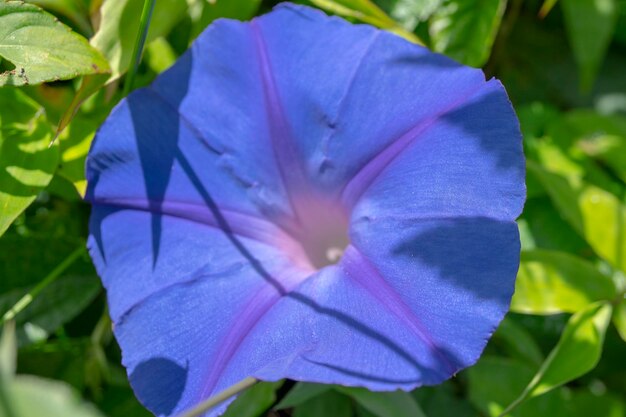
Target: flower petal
x: 466, y: 161
x: 349, y: 91
x: 451, y: 280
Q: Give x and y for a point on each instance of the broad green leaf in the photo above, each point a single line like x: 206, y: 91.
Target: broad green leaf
x: 75, y: 142
x: 160, y: 55
x: 577, y: 352
x: 596, y: 214
x: 550, y: 282
x: 601, y: 137
x: 254, y: 400
x: 466, y: 29
x: 385, y: 404
x: 443, y: 400
x: 518, y: 341
x: 302, y: 392
x: 330, y: 403
x: 27, y: 164
x: 368, y: 12
x: 590, y: 25
x: 42, y: 48
x: 90, y: 84
x: 31, y: 396
x: 119, y: 27
x: 60, y: 302
x: 619, y: 319
x: 494, y: 382
x: 586, y: 404
x: 74, y: 10
x: 549, y: 229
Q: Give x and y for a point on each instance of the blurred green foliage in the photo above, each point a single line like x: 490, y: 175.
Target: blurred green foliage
x: 561, y: 350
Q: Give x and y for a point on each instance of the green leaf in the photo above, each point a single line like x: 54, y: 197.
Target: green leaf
x: 8, y: 353
x: 619, y: 319
x: 550, y: 282
x: 75, y: 142
x: 42, y: 48
x: 518, y: 342
x: 330, y: 403
x: 596, y: 214
x: 411, y: 12
x: 203, y: 12
x: 119, y: 27
x: 601, y: 137
x: 590, y: 25
x: 302, y: 392
x: 494, y: 382
x: 57, y: 304
x: 27, y: 164
x: 74, y: 10
x: 254, y: 400
x: 368, y: 12
x: 577, y: 352
x: 385, y: 404
x: 31, y: 396
x: 466, y: 29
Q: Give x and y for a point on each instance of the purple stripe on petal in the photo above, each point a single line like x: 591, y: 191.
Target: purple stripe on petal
x: 359, y: 269
x: 239, y: 224
x: 283, y: 145
x: 367, y: 175
x: 259, y: 304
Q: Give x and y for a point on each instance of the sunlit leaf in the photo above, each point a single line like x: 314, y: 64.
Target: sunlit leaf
x: 551, y: 282
x: 577, y: 352
x: 494, y: 382
x: 596, y: 214
x: 41, y: 48
x: 466, y: 29
x: 31, y: 396
x: 8, y: 353
x: 75, y: 10
x: 365, y: 11
x: 27, y: 164
x: 411, y: 12
x: 119, y: 27
x: 75, y: 142
x: 619, y: 319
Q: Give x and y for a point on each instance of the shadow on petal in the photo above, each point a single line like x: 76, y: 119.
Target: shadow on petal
x: 159, y: 383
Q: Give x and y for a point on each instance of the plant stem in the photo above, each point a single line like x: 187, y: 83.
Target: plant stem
x: 50, y: 278
x: 140, y: 41
x: 220, y: 397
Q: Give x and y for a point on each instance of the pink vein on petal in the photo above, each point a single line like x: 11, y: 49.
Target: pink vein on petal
x: 229, y: 221
x: 368, y: 174
x: 287, y: 157
x: 359, y: 269
x: 264, y: 298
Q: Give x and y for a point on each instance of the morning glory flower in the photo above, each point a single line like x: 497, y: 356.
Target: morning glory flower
x: 299, y: 197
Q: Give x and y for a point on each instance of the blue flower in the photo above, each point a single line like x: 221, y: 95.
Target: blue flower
x: 300, y: 197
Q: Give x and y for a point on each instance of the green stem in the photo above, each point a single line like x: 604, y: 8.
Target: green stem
x: 140, y: 41
x: 220, y: 397
x: 52, y: 276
